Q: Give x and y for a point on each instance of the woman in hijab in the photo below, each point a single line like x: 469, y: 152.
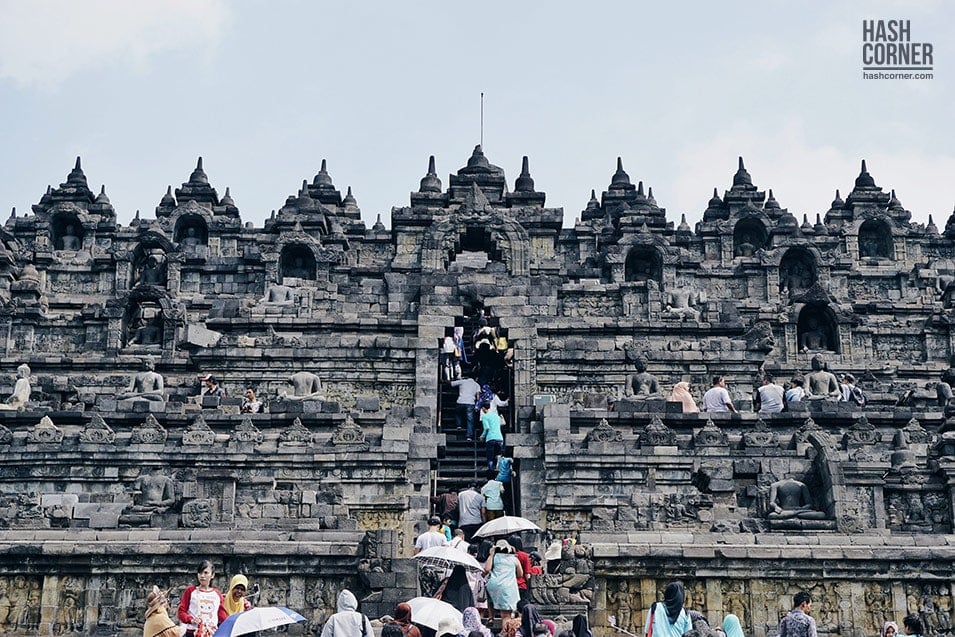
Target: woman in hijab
x: 668, y: 618
x: 402, y: 617
x: 732, y: 627
x: 472, y: 622
x: 235, y: 599
x: 889, y: 629
x: 581, y: 627
x: 504, y: 569
x: 457, y: 589
x: 681, y: 394
x: 530, y: 617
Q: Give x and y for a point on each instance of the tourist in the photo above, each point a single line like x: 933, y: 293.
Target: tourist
x: 525, y: 559
x: 459, y: 351
x: 347, y: 622
x: 798, y: 623
x: 158, y: 623
x: 717, y: 399
x: 491, y: 435
x: 669, y: 618
x: 202, y: 605
x: 890, y: 629
x: 446, y: 527
x: 581, y: 626
x: 472, y: 622
x: 470, y: 510
x: 432, y: 537
x: 769, y: 397
x: 681, y: 394
x: 795, y: 393
x: 456, y: 589
x: 391, y: 629
x: 445, y: 504
x: 530, y: 617
x: 212, y: 387
x: 505, y: 474
x: 402, y: 617
x: 503, y: 569
x: 459, y: 541
x: 732, y: 626
x: 447, y: 359
x: 478, y: 582
x: 251, y: 404
x: 468, y: 389
x: 235, y: 599
x: 911, y: 625
x: 493, y: 492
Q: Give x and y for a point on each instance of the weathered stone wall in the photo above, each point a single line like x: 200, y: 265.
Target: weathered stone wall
x: 101, y: 496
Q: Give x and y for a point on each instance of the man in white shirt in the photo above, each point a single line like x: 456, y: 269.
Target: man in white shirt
x: 717, y: 399
x: 432, y: 537
x: 770, y: 397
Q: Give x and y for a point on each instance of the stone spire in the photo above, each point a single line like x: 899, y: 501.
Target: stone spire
x: 430, y: 182
x: 931, y: 228
x: 715, y: 208
x: 524, y: 193
x: 650, y: 199
x: 349, y: 200
x: 771, y: 203
x: 74, y: 190
x: 865, y: 181
x: 102, y: 198
x: 379, y: 226
x: 620, y: 179
x: 429, y: 192
x: 820, y: 228
x: 167, y: 204
x: 806, y: 226
x: 227, y: 198
x: 323, y: 189
x: 489, y: 178
x: 865, y: 197
x: 198, y: 189
x: 742, y: 178
x: 592, y: 211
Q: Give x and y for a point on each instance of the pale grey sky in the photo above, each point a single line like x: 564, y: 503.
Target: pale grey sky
x: 264, y: 90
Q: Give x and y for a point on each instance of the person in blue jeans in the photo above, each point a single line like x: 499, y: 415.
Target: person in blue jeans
x: 491, y: 435
x: 468, y: 389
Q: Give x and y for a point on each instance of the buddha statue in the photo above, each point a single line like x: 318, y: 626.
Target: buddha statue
x: 643, y: 384
x: 146, y: 385
x: 21, y: 390
x: 789, y: 499
x: 822, y: 384
x: 305, y: 386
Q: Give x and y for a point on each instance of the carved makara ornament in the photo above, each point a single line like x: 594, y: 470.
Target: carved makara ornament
x: 657, y: 433
x: 916, y: 433
x: 149, y: 433
x: 97, y: 432
x: 760, y: 436
x: 349, y: 433
x: 245, y: 431
x: 710, y: 436
x: 603, y: 432
x: 297, y: 435
x: 45, y: 432
x: 862, y: 433
x: 198, y: 433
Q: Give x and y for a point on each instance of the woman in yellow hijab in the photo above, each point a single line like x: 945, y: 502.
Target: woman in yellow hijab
x: 235, y: 601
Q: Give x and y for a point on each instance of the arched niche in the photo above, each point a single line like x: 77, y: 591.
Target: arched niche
x: 191, y: 230
x: 749, y: 235
x: 797, y: 271
x: 149, y: 265
x: 143, y: 323
x: 816, y: 329
x: 643, y: 263
x: 297, y: 261
x: 875, y: 240
x: 476, y: 240
x: 66, y: 232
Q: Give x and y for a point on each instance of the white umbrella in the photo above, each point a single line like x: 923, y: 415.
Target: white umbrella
x: 259, y: 618
x: 505, y: 525
x: 447, y: 557
x: 430, y: 612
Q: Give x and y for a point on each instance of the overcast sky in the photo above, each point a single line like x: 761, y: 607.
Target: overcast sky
x: 264, y: 90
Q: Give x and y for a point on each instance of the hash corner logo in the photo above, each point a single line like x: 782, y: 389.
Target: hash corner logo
x: 888, y: 52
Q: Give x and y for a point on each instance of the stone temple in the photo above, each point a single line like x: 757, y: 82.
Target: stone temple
x: 116, y: 475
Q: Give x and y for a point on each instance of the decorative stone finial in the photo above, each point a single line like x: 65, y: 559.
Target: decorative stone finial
x: 76, y: 175
x: 620, y: 178
x: 349, y: 200
x: 323, y: 178
x: 820, y: 227
x: 894, y: 203
x: 806, y: 226
x: 198, y: 175
x: 640, y: 198
x: 742, y: 178
x: 931, y: 228
x: 378, y: 224
x: 650, y: 199
x: 524, y: 183
x: 715, y: 200
x: 771, y: 203
x: 101, y: 197
x: 865, y: 181
x: 593, y: 204
x: 477, y: 159
x: 684, y: 226
x: 168, y: 200
x: 838, y: 202
x: 430, y: 182
x: 227, y: 198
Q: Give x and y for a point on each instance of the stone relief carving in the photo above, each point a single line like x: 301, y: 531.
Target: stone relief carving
x: 198, y: 433
x: 148, y: 433
x: 296, y: 435
x: 97, y: 432
x: 246, y: 431
x: 603, y: 432
x: 657, y: 433
x: 862, y: 433
x: 45, y: 432
x: 710, y: 436
x: 760, y: 436
x: 197, y: 514
x: 348, y: 433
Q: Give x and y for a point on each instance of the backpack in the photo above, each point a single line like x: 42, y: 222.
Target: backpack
x: 858, y: 397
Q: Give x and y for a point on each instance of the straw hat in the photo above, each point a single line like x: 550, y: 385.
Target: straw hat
x: 503, y: 546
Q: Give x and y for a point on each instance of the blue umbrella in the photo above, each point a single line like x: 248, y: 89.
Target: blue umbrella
x: 259, y: 618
